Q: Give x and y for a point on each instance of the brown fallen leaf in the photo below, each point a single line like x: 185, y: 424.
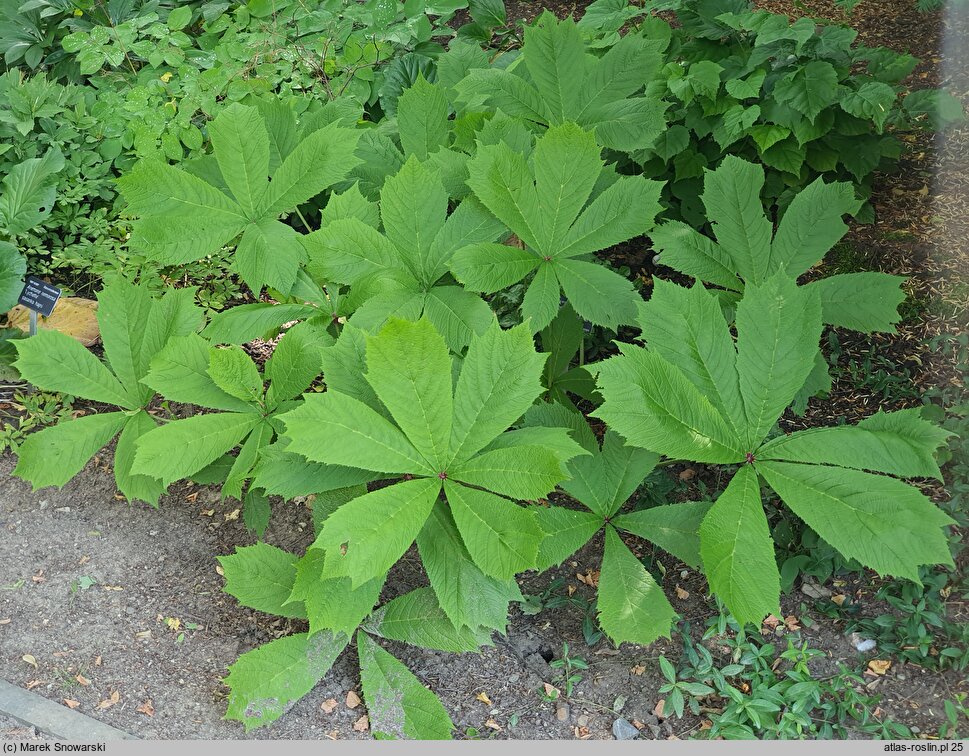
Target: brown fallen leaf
x: 174, y: 623
x: 84, y: 560
x: 879, y: 666
x: 791, y: 623
x: 233, y: 515
x: 33, y: 684
x: 143, y: 634
x: 706, y: 724
x: 582, y: 733
x: 97, y: 661
x: 637, y: 724
x: 192, y: 497
x: 551, y: 691
x: 771, y: 621
x: 146, y: 708
x: 82, y: 679
x: 328, y: 705
x: 39, y: 577
x: 688, y: 474
x: 658, y: 709
x: 493, y: 725
x: 839, y: 598
x: 362, y: 724
x: 112, y: 587
x: 682, y: 594
x: 110, y: 701
x: 353, y: 700
x: 75, y: 316
x: 5, y: 621
x: 638, y: 669
x: 590, y: 578
x: 219, y: 570
x: 71, y: 703
x: 29, y: 658
x: 483, y: 697
x: 570, y: 588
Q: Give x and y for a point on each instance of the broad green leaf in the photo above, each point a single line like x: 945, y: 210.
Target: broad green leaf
x: 731, y: 195
x: 418, y: 619
x: 296, y: 362
x: 240, y: 143
x: 13, y: 268
x: 555, y: 57
x: 653, y: 405
x: 565, y: 532
x: 233, y: 371
x: 606, y: 479
x: 688, y: 251
x: 29, y: 192
x: 245, y: 460
x: 350, y: 204
x: 505, y: 91
x: 566, y: 163
x: 409, y: 368
x: 883, y: 523
x: 597, y: 293
x: 811, y: 226
x: 182, y: 447
x: 503, y: 182
x: 322, y: 159
x: 365, y: 537
x: 457, y: 314
x: 470, y: 223
x: 290, y: 475
x: 135, y: 487
x: 628, y: 125
x: 521, y: 472
x: 542, y: 298
x: 346, y: 250
x: 623, y: 211
x: 269, y: 254
x: 398, y: 705
x: 179, y: 372
x: 501, y: 537
x: 265, y: 682
x: 500, y: 378
x: 673, y: 527
x: 332, y: 604
x: 54, y: 361
x: 413, y: 206
x: 625, y: 68
x: 899, y: 443
x: 52, y: 456
x: 243, y: 323
x: 422, y: 118
x: 738, y: 553
x: 465, y: 594
x: 491, y: 267
x: 778, y: 330
x: 262, y: 577
x: 873, y: 100
x: 687, y: 328
x: 256, y: 509
x: 337, y: 429
x: 632, y: 606
x: 809, y: 88
x: 345, y: 362
x: 864, y: 302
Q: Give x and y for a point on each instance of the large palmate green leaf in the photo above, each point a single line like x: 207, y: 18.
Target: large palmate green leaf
x: 135, y: 327
x: 183, y: 217
x: 547, y: 205
x: 418, y: 619
x: 817, y: 473
x: 744, y: 252
x: 262, y: 577
x: 28, y: 192
x: 558, y: 81
x: 438, y: 435
x: 401, y: 272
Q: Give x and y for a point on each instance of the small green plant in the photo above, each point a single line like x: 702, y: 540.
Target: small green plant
x: 678, y: 691
x: 567, y: 667
x: 956, y: 714
x: 32, y: 411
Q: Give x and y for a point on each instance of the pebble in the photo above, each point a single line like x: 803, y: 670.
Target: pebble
x: 916, y: 730
x: 562, y: 712
x: 514, y: 678
x: 582, y: 721
x: 623, y: 730
x: 900, y: 677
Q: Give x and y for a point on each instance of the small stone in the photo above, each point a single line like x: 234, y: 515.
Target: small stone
x: 624, y: 730
x: 655, y: 729
x: 900, y: 677
x: 514, y: 678
x: 915, y: 730
x: 562, y: 712
x: 813, y: 590
x: 582, y: 721
x: 63, y: 509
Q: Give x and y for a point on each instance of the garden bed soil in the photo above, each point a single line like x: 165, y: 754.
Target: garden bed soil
x: 118, y: 610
